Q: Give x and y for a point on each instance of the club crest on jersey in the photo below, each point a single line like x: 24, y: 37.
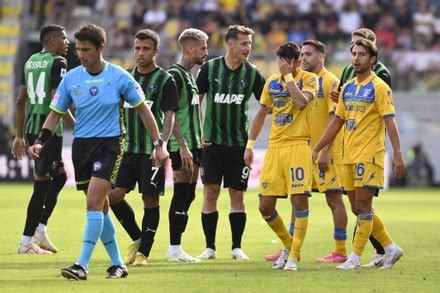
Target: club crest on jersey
x: 97, y: 166
x: 366, y: 93
x: 244, y: 83
x: 94, y: 90
x: 152, y: 88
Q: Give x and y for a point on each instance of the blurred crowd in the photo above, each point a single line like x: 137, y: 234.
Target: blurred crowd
x: 400, y: 25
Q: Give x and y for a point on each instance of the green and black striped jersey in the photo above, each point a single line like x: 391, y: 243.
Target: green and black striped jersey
x: 160, y: 96
x: 42, y: 74
x: 188, y: 115
x: 227, y: 94
x: 378, y: 68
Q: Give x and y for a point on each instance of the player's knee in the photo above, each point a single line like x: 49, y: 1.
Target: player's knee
x: 116, y: 195
x: 150, y: 201
x: 211, y: 193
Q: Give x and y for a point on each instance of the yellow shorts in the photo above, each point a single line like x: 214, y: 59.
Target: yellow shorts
x: 366, y: 175
x: 330, y: 180
x: 286, y: 170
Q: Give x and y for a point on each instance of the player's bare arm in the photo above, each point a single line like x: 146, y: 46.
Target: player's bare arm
x: 393, y: 133
x: 257, y: 125
x: 160, y: 154
x: 185, y: 153
x: 299, y: 98
x: 19, y: 146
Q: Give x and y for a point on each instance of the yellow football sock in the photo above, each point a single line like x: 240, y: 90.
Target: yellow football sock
x: 380, y: 232
x: 276, y: 223
x: 301, y: 223
x: 364, y: 225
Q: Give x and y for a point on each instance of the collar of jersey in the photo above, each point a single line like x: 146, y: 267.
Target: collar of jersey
x: 105, y: 68
x: 322, y: 72
x: 367, y: 80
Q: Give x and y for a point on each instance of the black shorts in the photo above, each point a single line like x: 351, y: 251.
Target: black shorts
x: 96, y: 157
x: 225, y: 162
x: 176, y: 162
x: 139, y: 168
x: 50, y: 160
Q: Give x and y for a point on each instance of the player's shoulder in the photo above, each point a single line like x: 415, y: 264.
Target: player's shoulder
x: 274, y: 76
x: 380, y: 84
x: 379, y: 66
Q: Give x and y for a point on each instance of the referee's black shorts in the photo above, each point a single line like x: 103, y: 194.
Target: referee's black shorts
x: 96, y: 157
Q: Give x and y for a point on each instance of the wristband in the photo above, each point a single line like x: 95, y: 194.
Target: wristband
x: 44, y: 136
x: 250, y: 144
x: 288, y: 78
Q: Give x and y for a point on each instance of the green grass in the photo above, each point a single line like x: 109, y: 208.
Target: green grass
x: 412, y: 216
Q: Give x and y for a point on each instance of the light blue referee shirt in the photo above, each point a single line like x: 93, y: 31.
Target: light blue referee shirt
x: 98, y: 99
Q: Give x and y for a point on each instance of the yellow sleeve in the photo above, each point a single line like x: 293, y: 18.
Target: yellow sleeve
x: 384, y: 100
x: 265, y: 98
x: 311, y: 84
x: 331, y: 84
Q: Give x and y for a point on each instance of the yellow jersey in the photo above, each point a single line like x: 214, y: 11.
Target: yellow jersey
x: 289, y: 124
x: 322, y: 108
x: 363, y: 106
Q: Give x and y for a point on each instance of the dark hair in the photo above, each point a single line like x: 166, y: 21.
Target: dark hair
x: 317, y: 45
x: 365, y: 33
x: 92, y: 33
x: 147, y: 34
x: 235, y: 30
x: 289, y: 50
x: 47, y: 30
x: 368, y: 45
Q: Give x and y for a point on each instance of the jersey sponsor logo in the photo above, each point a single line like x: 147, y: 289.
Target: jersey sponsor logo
x: 94, y: 80
x: 283, y: 119
x: 279, y: 103
x: 97, y: 166
x: 355, y: 108
x: 228, y: 98
x: 94, y: 90
x: 350, y: 124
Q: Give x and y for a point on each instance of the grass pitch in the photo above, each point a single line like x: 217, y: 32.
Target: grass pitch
x: 411, y: 215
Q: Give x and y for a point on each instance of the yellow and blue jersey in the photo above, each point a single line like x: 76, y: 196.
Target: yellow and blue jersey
x: 363, y: 106
x: 98, y: 99
x: 322, y: 108
x: 290, y: 125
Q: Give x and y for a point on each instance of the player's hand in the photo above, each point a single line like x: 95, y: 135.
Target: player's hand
x: 398, y: 165
x: 18, y: 148
x: 34, y: 151
x: 323, y: 161
x: 249, y: 158
x: 186, y: 158
x: 160, y: 155
x: 284, y: 66
x: 205, y: 143
x: 334, y: 96
x: 314, y: 155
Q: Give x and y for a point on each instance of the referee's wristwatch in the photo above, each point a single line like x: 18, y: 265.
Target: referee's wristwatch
x: 158, y: 142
